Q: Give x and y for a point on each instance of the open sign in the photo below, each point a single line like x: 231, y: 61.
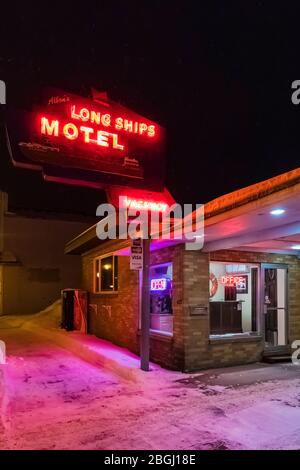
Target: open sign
x: 158, y: 284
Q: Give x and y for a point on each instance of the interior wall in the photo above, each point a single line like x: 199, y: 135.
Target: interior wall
x: 218, y: 269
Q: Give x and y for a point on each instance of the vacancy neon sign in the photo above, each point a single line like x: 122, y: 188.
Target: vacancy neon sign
x: 93, y: 127
x: 142, y: 204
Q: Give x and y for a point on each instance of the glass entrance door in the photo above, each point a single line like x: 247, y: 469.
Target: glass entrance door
x: 275, y: 296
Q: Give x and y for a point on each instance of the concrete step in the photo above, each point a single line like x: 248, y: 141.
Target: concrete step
x: 278, y: 351
x: 276, y: 358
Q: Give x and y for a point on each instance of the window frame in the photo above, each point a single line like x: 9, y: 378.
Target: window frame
x: 99, y: 259
x: 250, y: 333
x: 153, y: 332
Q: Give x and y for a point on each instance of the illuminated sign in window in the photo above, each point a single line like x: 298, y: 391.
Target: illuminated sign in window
x: 240, y: 282
x: 141, y: 204
x: 158, y: 284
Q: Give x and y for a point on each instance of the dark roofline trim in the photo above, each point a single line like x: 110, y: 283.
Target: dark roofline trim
x: 251, y: 193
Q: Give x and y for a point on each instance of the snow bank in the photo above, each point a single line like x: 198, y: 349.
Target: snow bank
x: 50, y: 317
x: 94, y: 350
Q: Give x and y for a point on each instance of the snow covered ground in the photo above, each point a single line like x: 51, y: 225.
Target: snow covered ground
x: 52, y: 399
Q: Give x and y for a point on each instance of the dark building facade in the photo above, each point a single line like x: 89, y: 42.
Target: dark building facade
x: 33, y: 268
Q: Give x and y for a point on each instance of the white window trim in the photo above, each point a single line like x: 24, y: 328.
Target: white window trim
x: 246, y: 334
x: 106, y: 292
x: 155, y: 333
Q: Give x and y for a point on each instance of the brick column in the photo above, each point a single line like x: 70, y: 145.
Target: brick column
x: 294, y: 301
x: 196, y: 292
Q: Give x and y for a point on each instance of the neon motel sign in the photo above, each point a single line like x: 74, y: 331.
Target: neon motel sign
x: 76, y: 140
x: 87, y: 129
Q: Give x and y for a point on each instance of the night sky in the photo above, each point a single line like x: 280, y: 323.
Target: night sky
x: 217, y: 78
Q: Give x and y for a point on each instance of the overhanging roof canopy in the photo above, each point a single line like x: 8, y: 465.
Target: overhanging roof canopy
x: 240, y: 220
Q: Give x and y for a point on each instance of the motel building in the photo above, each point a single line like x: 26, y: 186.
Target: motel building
x: 235, y: 301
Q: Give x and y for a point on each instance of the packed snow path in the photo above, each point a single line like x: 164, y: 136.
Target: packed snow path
x: 50, y: 399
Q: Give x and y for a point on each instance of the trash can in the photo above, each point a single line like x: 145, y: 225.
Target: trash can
x: 67, y: 320
x: 74, y: 310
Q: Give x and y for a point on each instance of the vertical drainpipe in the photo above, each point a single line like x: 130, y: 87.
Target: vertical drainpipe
x: 3, y: 210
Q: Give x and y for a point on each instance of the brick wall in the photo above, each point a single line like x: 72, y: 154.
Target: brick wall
x: 196, y: 329
x: 115, y: 316
x: 200, y: 351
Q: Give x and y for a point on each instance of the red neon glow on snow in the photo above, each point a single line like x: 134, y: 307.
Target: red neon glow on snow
x: 231, y: 281
x: 158, y: 284
x: 141, y: 204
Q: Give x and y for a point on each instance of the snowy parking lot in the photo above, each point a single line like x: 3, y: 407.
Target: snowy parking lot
x: 52, y: 399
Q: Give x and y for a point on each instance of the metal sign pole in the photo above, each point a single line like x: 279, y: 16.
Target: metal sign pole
x: 145, y: 317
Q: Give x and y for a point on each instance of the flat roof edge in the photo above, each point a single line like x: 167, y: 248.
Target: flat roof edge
x: 250, y: 193
x: 88, y: 239
x: 82, y: 242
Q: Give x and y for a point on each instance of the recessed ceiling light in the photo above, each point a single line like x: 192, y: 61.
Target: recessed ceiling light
x: 295, y: 247
x: 277, y: 211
